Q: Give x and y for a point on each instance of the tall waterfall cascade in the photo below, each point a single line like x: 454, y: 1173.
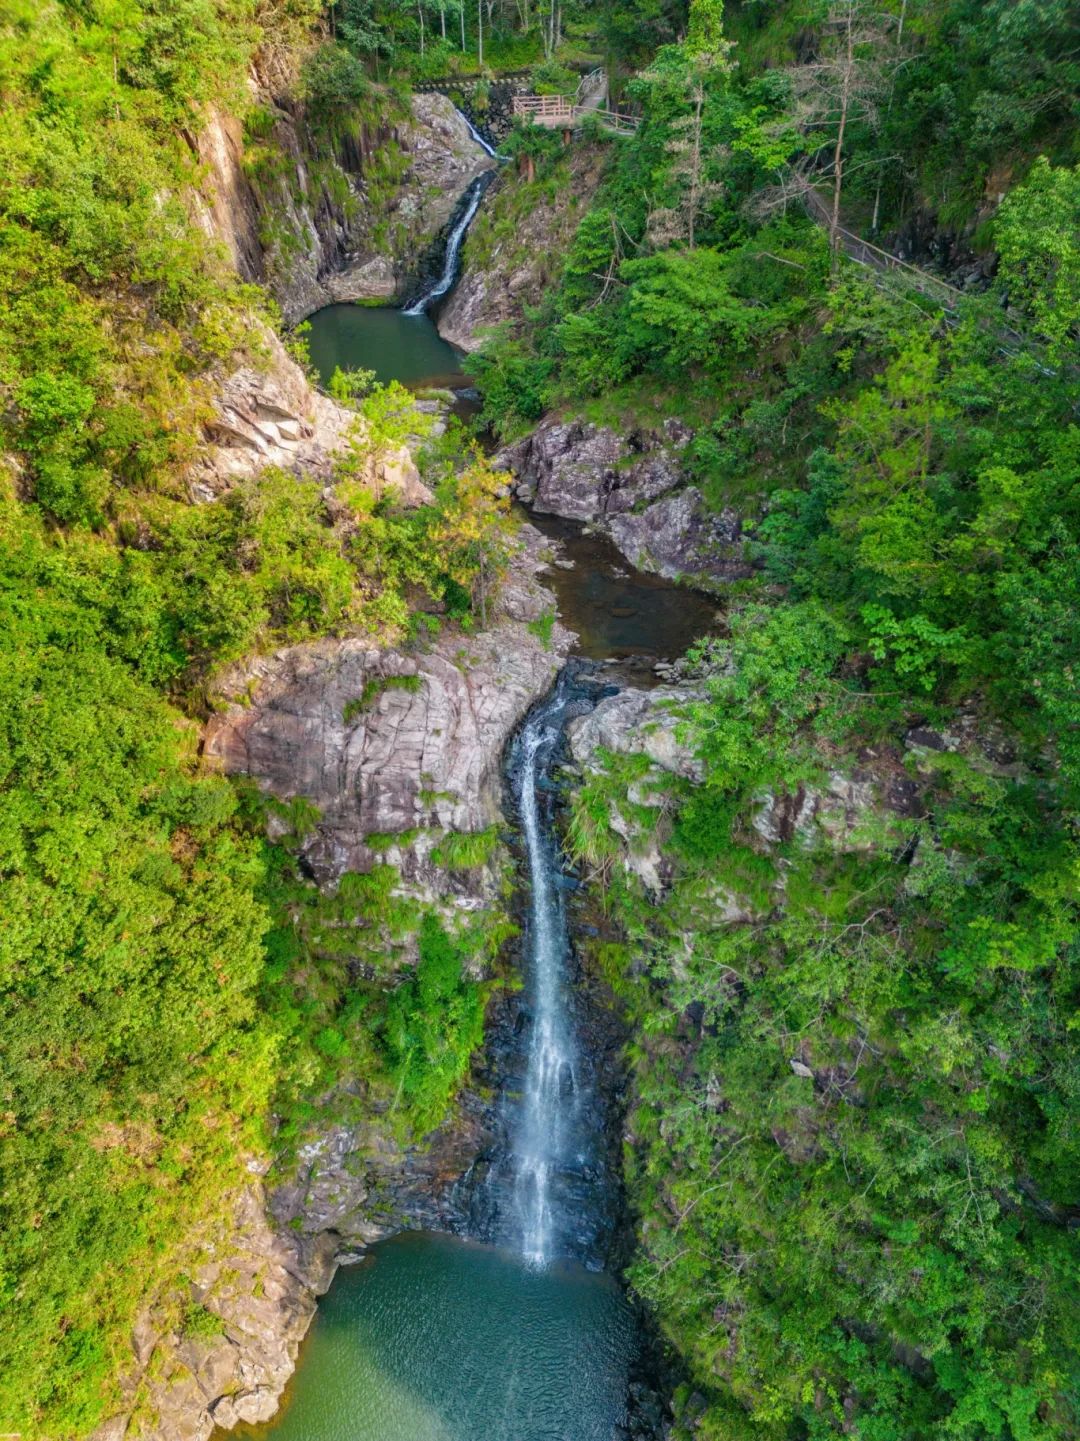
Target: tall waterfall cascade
x: 541, y: 1141
x: 544, y: 1189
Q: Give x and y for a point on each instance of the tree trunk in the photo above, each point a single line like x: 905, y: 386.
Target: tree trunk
x: 888, y: 112
x: 480, y: 33
x: 838, y: 152
x: 695, y: 161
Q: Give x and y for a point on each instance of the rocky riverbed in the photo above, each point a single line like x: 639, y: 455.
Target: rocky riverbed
x: 633, y: 486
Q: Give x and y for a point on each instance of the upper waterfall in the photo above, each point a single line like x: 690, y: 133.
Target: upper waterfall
x: 471, y: 203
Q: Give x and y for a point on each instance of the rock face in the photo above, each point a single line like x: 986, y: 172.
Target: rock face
x: 346, y: 227
x: 506, y: 272
x: 258, y: 1279
x: 860, y: 809
x: 268, y: 414
x: 648, y: 723
x: 424, y: 754
x: 256, y: 1289
x: 640, y: 722
x: 388, y: 741
x: 852, y: 812
x: 632, y: 486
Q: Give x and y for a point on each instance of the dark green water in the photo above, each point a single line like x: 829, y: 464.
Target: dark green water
x: 394, y: 345
x: 436, y: 1339
x: 618, y: 611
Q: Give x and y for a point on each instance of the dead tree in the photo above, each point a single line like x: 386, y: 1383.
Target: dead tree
x: 841, y: 88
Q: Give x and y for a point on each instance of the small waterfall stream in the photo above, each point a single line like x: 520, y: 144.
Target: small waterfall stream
x: 484, y: 144
x: 467, y: 209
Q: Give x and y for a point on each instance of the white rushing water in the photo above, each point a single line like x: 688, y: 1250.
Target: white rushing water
x: 540, y: 1148
x: 474, y: 195
x: 476, y: 134
x: 543, y: 1185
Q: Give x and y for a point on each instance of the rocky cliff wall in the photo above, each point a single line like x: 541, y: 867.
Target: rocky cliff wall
x: 633, y: 486
x: 416, y: 762
x: 517, y: 244
x: 318, y: 220
x: 392, y: 742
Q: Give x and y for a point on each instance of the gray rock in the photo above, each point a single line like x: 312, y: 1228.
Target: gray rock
x: 634, y: 488
x: 677, y: 536
x: 856, y: 812
x: 639, y: 722
x: 517, y: 270
x: 425, y: 750
x: 267, y: 413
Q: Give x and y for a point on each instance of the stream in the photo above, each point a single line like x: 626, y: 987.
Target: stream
x: 515, y: 1331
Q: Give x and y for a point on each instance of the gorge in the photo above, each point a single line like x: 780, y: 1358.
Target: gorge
x: 538, y: 835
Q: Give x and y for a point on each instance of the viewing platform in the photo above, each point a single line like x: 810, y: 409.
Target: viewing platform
x: 565, y: 112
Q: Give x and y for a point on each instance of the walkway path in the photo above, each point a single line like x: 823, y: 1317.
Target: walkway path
x: 564, y: 112
x: 1011, y: 341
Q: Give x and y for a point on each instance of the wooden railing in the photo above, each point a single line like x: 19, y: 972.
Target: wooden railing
x: 616, y: 120
x: 545, y: 107
x: 1009, y: 339
x: 558, y: 110
x: 470, y: 77
x: 874, y: 258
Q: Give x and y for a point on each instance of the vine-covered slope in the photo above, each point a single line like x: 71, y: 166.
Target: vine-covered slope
x: 168, y: 978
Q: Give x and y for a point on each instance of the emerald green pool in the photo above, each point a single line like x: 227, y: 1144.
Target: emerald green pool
x: 394, y: 345
x: 432, y: 1338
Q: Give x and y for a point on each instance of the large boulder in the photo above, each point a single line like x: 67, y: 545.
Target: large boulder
x: 640, y: 722
x: 388, y: 741
x: 633, y: 486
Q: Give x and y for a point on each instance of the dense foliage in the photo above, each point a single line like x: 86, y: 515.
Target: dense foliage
x: 853, y: 1144
x: 168, y: 980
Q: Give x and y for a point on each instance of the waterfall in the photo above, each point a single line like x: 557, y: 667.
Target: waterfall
x: 476, y: 135
x: 471, y: 203
x: 544, y: 1186
x: 549, y: 1091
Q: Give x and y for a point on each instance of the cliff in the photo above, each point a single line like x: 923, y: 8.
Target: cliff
x: 517, y: 244
x: 418, y: 760
x: 318, y: 220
